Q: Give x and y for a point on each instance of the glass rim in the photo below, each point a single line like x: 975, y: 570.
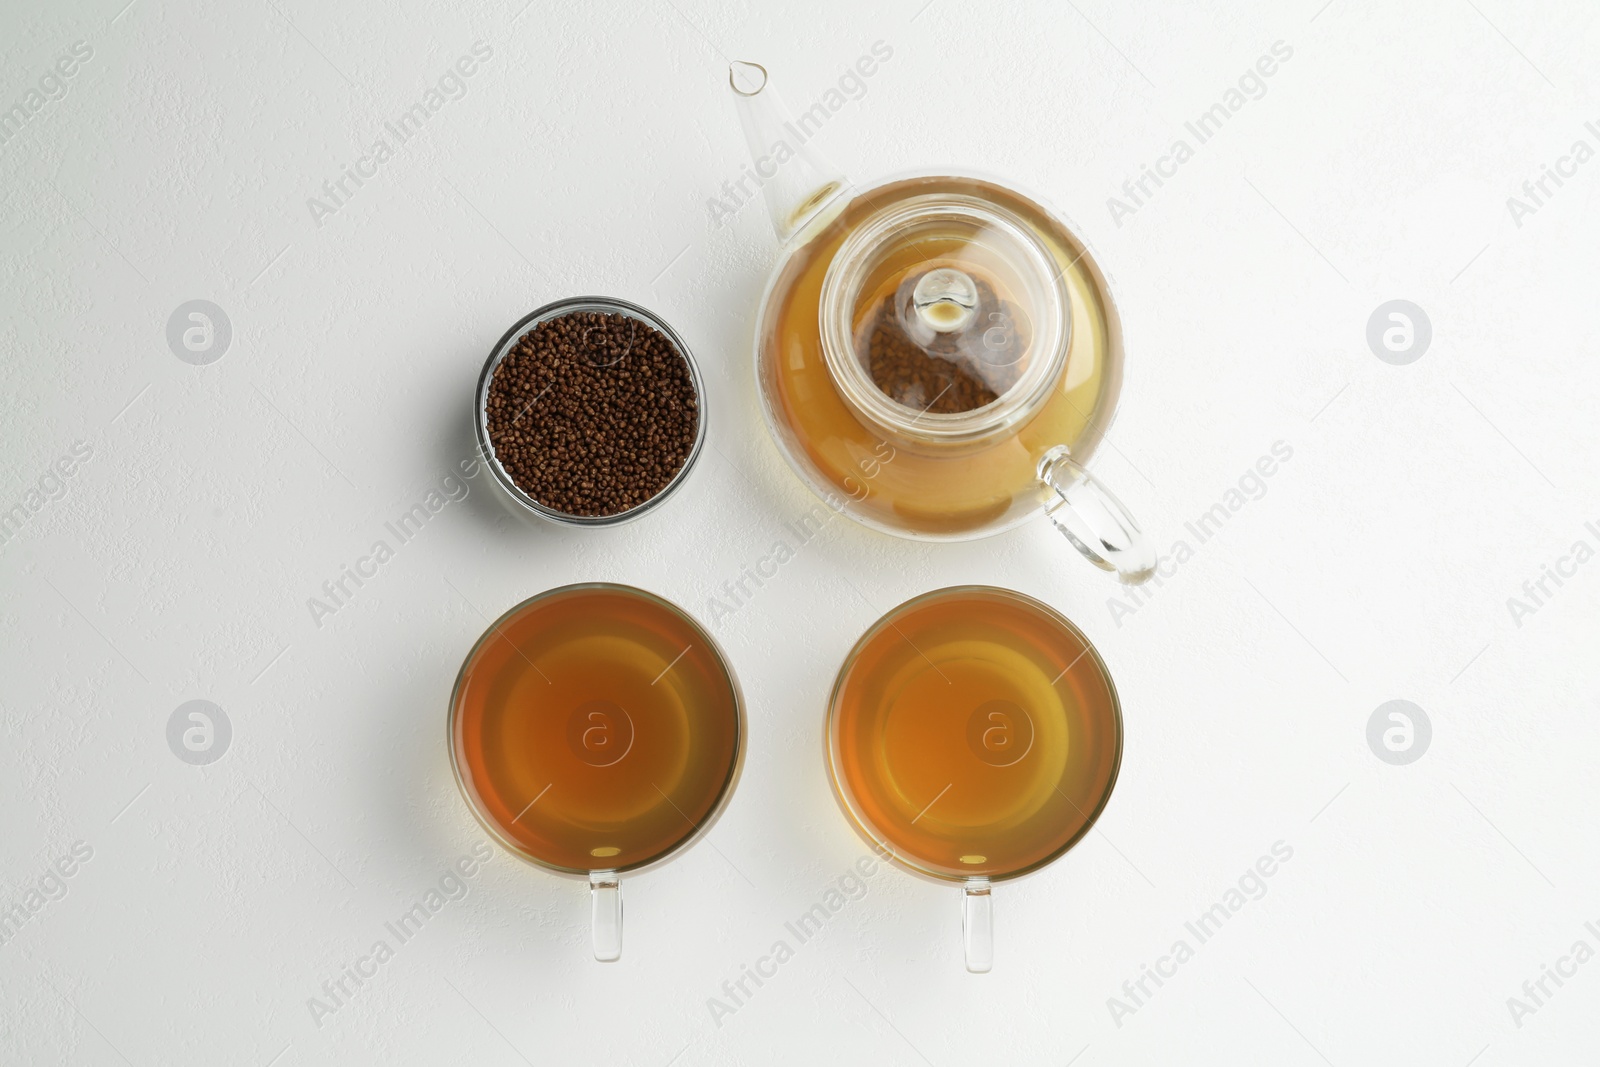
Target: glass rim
x: 730, y: 781
x: 862, y: 825
x: 552, y: 310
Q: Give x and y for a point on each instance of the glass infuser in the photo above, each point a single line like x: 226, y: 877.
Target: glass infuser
x: 937, y: 355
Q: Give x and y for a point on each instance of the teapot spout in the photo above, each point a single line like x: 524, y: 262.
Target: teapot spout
x: 797, y: 183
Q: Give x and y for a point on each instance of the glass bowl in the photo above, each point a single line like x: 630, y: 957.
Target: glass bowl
x: 604, y: 305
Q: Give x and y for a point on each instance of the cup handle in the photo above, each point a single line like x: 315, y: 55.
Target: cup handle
x: 1090, y: 516
x: 977, y: 925
x: 605, y: 908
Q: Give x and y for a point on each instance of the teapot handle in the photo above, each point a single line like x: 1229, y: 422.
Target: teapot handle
x: 1090, y: 516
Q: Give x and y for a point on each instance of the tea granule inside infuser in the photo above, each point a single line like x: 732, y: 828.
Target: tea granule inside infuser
x: 592, y: 414
x: 942, y: 377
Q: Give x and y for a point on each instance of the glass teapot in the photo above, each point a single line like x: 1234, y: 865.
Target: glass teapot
x: 937, y: 356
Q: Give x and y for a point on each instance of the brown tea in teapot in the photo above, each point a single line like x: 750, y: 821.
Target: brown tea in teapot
x: 895, y: 481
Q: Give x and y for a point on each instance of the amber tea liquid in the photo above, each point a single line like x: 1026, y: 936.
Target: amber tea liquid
x: 595, y: 728
x: 975, y: 732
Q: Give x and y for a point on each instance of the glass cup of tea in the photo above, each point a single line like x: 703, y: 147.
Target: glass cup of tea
x: 974, y: 735
x: 596, y: 729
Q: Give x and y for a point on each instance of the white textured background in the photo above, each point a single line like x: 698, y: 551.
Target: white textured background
x: 178, y: 563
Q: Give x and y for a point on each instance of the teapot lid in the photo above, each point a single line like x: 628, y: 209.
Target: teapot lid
x: 944, y: 314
